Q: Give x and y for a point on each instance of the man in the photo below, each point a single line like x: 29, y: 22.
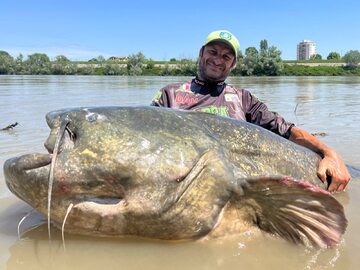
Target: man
x: 208, y: 92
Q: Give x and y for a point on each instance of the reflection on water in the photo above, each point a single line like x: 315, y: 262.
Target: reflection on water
x: 148, y: 255
x: 34, y: 249
x: 324, y: 105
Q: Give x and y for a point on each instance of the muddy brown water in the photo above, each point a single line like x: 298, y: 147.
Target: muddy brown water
x: 327, y: 106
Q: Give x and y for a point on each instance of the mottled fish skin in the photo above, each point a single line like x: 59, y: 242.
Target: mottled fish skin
x: 175, y: 175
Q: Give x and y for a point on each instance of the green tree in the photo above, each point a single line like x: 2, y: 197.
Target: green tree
x: 264, y: 46
x: 333, y: 56
x: 93, y: 60
x: 266, y: 62
x: 250, y: 61
x: 7, y: 64
x: 187, y: 67
x: 114, y: 69
x: 62, y: 66
x: 150, y: 64
x: 100, y: 59
x: 19, y: 64
x: 269, y: 62
x: 352, y: 58
x: 272, y: 64
x: 166, y: 70
x: 135, y: 63
x: 239, y: 65
x: 316, y: 57
x: 62, y: 59
x: 20, y: 58
x: 240, y: 56
x: 37, y: 63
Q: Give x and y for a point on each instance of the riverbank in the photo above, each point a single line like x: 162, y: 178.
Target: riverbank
x: 184, y: 67
x: 188, y: 69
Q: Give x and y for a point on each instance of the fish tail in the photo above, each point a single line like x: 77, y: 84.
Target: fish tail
x: 295, y: 210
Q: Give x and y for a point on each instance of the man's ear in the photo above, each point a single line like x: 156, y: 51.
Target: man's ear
x: 233, y: 65
x: 201, y: 52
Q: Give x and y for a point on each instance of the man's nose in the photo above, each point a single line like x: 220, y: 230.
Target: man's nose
x: 218, y: 60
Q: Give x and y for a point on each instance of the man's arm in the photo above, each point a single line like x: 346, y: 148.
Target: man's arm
x: 158, y: 99
x: 331, y: 165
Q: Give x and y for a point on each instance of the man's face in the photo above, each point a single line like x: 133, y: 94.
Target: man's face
x: 215, y: 62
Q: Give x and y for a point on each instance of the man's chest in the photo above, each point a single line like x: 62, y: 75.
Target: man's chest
x: 226, y: 103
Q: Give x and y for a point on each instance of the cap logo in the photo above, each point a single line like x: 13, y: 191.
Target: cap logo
x: 225, y: 35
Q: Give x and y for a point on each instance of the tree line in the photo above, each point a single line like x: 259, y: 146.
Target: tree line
x: 263, y: 61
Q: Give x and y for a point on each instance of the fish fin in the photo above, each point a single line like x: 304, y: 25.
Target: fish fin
x: 295, y: 210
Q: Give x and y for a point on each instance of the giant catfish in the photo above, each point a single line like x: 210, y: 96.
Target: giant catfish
x: 174, y: 175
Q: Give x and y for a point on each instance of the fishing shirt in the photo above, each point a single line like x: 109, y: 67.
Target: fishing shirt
x: 222, y: 99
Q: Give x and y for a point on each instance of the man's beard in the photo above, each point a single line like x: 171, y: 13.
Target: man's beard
x: 203, y: 75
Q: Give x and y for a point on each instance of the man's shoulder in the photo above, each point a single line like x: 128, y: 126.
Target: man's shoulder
x: 236, y: 90
x: 243, y: 93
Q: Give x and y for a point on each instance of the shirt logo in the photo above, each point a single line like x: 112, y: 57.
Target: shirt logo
x: 222, y: 110
x: 185, y: 98
x: 230, y: 97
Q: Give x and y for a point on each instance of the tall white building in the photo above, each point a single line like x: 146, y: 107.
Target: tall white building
x: 305, y: 49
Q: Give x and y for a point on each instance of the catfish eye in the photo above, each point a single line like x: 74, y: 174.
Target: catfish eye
x: 68, y: 139
x: 71, y: 134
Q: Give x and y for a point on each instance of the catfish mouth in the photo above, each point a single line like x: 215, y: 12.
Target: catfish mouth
x: 31, y: 165
x: 35, y: 161
x: 26, y: 176
x: 100, y: 200
x: 20, y: 166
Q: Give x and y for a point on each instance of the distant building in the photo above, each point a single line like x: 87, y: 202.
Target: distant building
x: 119, y: 58
x: 305, y: 50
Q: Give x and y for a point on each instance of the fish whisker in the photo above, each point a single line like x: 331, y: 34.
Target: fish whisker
x: 63, y: 225
x: 51, y: 173
x: 21, y: 221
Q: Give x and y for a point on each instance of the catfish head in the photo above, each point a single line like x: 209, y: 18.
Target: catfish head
x: 105, y: 161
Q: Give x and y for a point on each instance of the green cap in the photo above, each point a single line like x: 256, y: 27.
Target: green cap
x: 224, y: 36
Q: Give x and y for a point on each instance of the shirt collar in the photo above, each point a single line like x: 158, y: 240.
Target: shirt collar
x: 200, y: 82
x: 204, y: 88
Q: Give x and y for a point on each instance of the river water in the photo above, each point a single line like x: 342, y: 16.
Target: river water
x: 328, y: 106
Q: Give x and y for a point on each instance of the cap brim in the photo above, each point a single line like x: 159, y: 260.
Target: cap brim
x: 223, y: 41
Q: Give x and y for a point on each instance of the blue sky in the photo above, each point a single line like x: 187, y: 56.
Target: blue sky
x: 163, y: 29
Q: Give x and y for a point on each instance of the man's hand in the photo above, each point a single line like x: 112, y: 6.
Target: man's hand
x: 333, y: 167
